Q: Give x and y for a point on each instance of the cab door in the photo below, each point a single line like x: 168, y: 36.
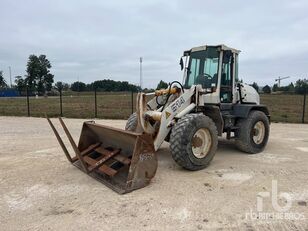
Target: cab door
x: 227, y: 77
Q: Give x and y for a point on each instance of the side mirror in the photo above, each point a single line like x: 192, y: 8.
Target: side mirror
x: 181, y: 63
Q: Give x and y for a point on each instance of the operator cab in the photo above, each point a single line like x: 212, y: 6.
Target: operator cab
x: 215, y: 69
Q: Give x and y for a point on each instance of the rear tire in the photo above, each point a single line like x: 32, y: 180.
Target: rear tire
x: 131, y: 124
x: 193, y: 141
x: 253, y: 132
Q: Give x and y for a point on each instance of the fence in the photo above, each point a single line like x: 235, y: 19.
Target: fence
x: 96, y: 104
x: 119, y: 105
x: 286, y: 108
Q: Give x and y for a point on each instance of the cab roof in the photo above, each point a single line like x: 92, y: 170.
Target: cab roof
x: 204, y: 47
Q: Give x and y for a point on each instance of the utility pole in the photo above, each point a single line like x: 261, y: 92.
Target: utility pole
x: 10, y: 76
x: 140, y: 73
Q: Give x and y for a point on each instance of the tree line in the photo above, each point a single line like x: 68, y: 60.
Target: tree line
x: 104, y: 85
x: 300, y: 86
x: 39, y: 80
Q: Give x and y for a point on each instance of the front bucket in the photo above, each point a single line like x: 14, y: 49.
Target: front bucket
x: 122, y: 160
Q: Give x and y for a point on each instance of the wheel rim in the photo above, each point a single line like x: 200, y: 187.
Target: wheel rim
x: 258, y: 132
x: 201, y: 143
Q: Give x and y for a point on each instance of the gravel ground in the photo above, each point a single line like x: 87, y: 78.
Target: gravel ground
x: 40, y: 190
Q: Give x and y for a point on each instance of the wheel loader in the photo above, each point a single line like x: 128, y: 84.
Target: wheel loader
x: 191, y: 115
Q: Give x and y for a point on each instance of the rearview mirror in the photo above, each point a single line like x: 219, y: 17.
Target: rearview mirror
x: 181, y: 63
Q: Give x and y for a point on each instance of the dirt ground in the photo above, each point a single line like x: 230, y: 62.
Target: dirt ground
x: 40, y: 190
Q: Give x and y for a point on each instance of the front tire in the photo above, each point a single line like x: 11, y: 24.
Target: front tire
x: 252, y: 135
x: 193, y: 141
x: 132, y: 122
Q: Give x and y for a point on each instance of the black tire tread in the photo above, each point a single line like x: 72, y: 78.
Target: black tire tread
x: 132, y: 122
x: 179, y: 131
x: 243, y: 141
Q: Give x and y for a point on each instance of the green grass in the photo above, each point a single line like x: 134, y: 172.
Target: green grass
x: 114, y: 105
x: 285, y: 108
x: 109, y: 106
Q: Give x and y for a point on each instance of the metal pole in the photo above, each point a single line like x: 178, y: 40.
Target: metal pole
x: 304, y: 105
x: 95, y: 103
x: 28, y: 102
x: 10, y: 76
x: 140, y: 73
x: 61, y: 112
x: 132, y: 98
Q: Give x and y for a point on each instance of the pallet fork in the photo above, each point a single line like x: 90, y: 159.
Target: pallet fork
x: 122, y: 160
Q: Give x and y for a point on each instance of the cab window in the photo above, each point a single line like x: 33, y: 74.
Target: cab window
x: 203, y: 68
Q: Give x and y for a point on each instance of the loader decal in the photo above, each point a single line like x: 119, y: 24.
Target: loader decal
x: 177, y: 104
x: 167, y: 114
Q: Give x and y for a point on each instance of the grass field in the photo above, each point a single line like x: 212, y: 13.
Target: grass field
x: 111, y: 105
x: 283, y: 108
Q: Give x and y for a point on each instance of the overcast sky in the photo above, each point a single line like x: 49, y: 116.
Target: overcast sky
x: 93, y: 40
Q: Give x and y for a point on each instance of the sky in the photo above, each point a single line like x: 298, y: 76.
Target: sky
x: 99, y: 39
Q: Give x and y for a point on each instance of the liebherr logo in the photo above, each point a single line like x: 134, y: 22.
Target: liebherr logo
x: 177, y: 104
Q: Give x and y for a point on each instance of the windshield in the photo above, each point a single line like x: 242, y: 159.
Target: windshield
x: 203, y: 68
